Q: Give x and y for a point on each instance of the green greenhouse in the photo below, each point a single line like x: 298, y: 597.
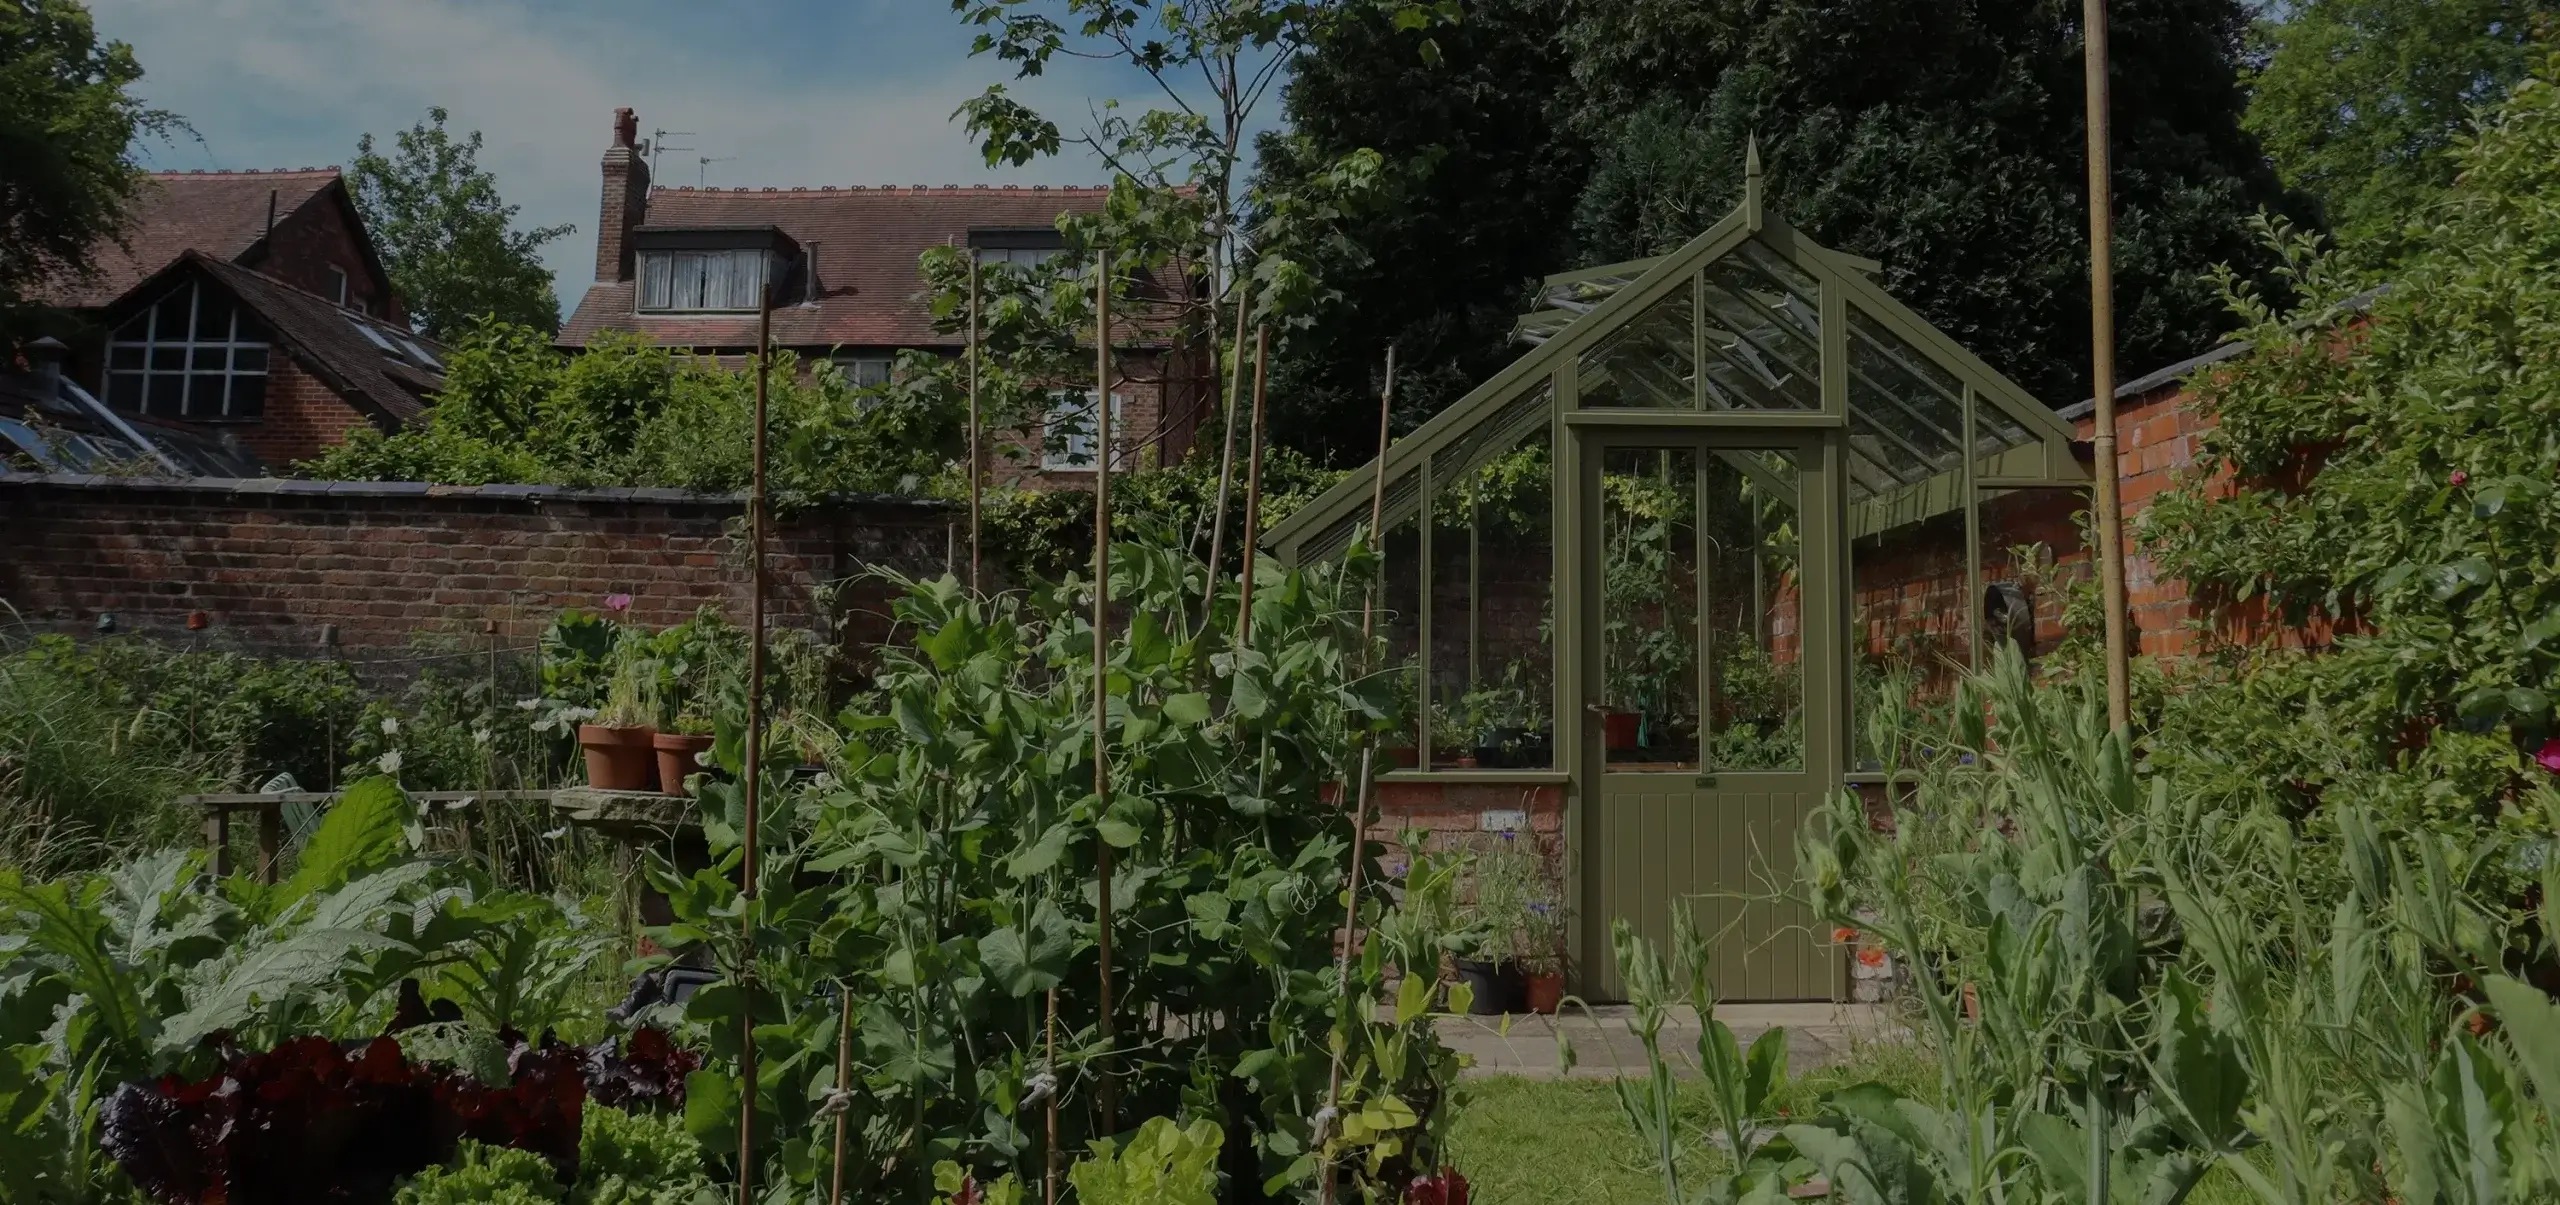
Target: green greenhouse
x: 1626, y: 570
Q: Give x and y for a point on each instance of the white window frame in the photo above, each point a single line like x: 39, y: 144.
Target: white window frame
x: 230, y: 348
x: 338, y: 279
x: 700, y: 281
x: 1075, y: 453
x: 856, y: 367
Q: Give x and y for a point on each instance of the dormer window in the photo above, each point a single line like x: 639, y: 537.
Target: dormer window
x: 715, y: 271
x: 1022, y: 250
x: 697, y: 281
x: 338, y: 284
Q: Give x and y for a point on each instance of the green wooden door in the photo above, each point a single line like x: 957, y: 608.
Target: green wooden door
x: 1711, y: 718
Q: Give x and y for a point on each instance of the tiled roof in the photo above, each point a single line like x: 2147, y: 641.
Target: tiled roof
x: 868, y: 241
x: 222, y: 214
x: 321, y: 335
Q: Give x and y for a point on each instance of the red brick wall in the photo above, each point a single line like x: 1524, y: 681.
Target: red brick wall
x: 303, y: 416
x: 1451, y: 815
x: 269, y: 562
x: 317, y: 237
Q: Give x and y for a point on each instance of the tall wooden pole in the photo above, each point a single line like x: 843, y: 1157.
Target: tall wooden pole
x: 1368, y: 764
x: 1251, y: 536
x: 976, y: 467
x: 844, y: 1084
x: 1226, y: 460
x: 2109, y: 514
x: 755, y: 760
x: 1101, y: 660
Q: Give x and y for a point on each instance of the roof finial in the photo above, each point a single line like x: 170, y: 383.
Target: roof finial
x: 1751, y: 181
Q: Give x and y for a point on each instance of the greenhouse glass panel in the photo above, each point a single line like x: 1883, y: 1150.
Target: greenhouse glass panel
x: 1400, y: 624
x: 1492, y: 595
x: 1649, y: 631
x: 1648, y: 364
x: 1762, y: 332
x: 1755, y: 613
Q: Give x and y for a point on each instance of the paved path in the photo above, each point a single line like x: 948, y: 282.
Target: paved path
x: 1603, y: 1046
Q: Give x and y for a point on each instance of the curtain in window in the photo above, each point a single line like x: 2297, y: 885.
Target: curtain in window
x: 701, y: 280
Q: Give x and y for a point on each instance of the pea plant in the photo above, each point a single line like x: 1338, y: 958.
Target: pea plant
x: 924, y: 899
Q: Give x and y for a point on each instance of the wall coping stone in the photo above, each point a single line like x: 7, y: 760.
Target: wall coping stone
x: 250, y: 487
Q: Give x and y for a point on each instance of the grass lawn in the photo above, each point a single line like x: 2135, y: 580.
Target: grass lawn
x: 1533, y: 1141
x: 1527, y: 1141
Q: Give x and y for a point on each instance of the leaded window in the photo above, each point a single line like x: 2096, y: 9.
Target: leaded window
x: 197, y: 354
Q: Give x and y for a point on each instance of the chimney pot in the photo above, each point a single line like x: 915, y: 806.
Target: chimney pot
x: 626, y: 128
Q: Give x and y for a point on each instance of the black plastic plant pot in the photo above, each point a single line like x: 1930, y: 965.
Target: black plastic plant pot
x: 1498, y: 988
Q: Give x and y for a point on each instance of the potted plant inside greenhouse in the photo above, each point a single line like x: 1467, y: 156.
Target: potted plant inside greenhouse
x: 619, y: 744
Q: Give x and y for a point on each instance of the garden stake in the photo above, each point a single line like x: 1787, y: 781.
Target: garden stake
x: 2102, y: 364
x: 975, y: 468
x: 1049, y: 1063
x: 844, y: 1084
x: 1252, y: 490
x: 1360, y: 797
x: 1226, y: 463
x: 1101, y: 646
x: 755, y: 757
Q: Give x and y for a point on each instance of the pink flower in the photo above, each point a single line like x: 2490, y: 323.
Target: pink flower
x: 2459, y: 477
x: 617, y: 603
x: 2548, y: 757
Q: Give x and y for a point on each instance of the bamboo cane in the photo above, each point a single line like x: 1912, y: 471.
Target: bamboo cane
x: 844, y: 1084
x: 976, y: 468
x: 1250, y: 537
x: 1226, y: 463
x: 1368, y: 752
x: 1101, y: 667
x: 2102, y: 365
x: 1049, y: 1176
x: 755, y: 759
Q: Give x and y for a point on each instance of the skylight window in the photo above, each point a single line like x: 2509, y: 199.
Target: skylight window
x: 375, y: 337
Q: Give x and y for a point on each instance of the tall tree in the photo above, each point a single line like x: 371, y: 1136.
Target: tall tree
x: 1945, y: 141
x: 69, y: 123
x: 1478, y: 204
x: 446, y: 236
x: 2359, y: 102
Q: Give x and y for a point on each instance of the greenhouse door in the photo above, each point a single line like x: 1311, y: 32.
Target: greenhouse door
x: 1710, y: 718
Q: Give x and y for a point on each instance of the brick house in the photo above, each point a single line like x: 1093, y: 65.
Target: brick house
x: 682, y: 265
x: 249, y: 308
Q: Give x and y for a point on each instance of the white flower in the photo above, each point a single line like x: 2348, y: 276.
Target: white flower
x: 390, y: 725
x: 389, y: 762
x: 482, y: 736
x: 556, y: 833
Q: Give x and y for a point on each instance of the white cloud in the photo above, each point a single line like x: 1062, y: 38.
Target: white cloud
x: 846, y: 94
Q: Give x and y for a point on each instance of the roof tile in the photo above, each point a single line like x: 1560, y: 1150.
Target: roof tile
x: 222, y: 214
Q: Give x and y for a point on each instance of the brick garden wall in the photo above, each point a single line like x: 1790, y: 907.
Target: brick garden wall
x: 267, y: 564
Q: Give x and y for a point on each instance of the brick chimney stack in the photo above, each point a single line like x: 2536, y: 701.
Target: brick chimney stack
x: 626, y: 198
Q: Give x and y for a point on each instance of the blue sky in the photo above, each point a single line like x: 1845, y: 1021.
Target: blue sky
x: 783, y: 92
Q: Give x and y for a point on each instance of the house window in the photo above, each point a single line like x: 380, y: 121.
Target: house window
x: 1021, y: 259
x: 863, y: 372
x: 338, y: 283
x: 1067, y: 437
x: 681, y: 281
x: 195, y: 355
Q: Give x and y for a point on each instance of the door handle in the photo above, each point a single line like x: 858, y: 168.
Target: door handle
x: 1706, y: 780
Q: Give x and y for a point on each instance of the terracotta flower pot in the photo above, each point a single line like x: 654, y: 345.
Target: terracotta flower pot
x: 1546, y: 992
x: 675, y: 758
x: 1619, y: 729
x: 619, y: 759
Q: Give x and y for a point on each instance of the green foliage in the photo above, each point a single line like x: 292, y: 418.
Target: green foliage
x: 495, y: 1175
x: 1944, y: 143
x: 638, y: 1159
x: 443, y: 232
x: 943, y: 875
x: 626, y: 412
x: 2390, y: 470
x: 69, y: 127
x: 1046, y: 534
x: 1475, y: 203
x: 1162, y: 1164
x: 2362, y: 103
